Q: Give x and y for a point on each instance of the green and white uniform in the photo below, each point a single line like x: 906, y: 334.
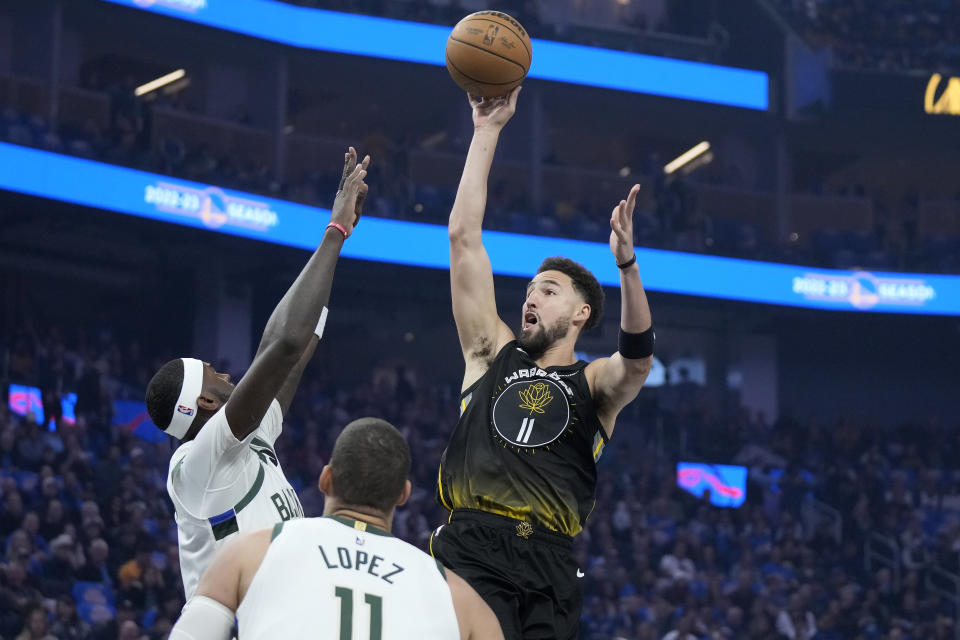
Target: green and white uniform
x: 334, y: 577
x: 220, y: 486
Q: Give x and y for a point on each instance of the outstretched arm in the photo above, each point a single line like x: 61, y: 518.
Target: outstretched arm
x: 616, y: 381
x: 274, y: 330
x: 289, y: 388
x: 290, y: 330
x: 482, y: 332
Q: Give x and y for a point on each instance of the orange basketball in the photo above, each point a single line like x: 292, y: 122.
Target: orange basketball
x: 488, y: 53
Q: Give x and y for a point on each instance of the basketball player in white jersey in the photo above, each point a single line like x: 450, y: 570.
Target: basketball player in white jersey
x: 225, y: 477
x: 342, y: 575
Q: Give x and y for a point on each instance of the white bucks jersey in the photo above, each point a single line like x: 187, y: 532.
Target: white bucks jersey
x: 334, y: 577
x: 221, y: 486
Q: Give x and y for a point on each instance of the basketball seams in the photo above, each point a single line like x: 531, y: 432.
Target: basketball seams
x: 469, y: 77
x: 487, y: 39
x: 505, y: 25
x: 479, y: 48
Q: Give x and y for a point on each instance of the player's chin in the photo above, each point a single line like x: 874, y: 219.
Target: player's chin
x: 530, y: 336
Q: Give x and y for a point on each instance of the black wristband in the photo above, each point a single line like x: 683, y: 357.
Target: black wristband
x: 628, y: 263
x: 635, y: 346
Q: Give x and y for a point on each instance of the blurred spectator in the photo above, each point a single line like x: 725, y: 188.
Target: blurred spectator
x: 58, y: 570
x: 887, y: 35
x: 36, y: 625
x: 66, y: 624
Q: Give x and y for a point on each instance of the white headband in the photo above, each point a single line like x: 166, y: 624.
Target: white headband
x: 186, y: 409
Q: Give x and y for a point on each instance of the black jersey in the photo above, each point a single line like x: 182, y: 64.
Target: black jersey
x: 526, y: 444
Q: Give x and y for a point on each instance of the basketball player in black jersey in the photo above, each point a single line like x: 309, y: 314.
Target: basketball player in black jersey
x: 519, y: 473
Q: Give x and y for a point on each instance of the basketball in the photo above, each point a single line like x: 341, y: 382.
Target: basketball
x: 488, y: 54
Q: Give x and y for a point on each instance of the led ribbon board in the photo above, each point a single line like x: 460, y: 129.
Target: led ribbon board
x: 28, y: 402
x: 727, y: 484
x: 132, y: 192
x: 425, y: 43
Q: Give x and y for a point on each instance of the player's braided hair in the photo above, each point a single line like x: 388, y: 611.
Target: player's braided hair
x: 163, y: 392
x: 369, y: 464
x: 584, y: 283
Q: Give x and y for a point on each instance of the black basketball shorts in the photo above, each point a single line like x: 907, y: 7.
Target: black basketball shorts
x: 527, y: 574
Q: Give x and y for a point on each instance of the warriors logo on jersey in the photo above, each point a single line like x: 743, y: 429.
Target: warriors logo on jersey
x: 530, y: 414
x: 526, y: 444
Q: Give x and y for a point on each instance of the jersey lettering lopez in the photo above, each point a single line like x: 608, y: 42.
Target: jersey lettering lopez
x: 220, y: 485
x: 526, y: 444
x: 335, y: 577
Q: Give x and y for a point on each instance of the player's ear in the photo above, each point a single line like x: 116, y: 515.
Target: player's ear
x: 583, y: 314
x: 326, y: 480
x: 208, y: 401
x: 405, y: 494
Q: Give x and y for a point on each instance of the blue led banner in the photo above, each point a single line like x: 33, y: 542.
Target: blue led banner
x: 424, y: 43
x: 727, y: 484
x: 28, y: 402
x: 147, y: 195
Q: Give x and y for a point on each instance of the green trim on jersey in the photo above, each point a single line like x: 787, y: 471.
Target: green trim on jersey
x: 441, y: 568
x: 360, y: 525
x: 254, y: 490
x: 277, y: 528
x: 261, y: 443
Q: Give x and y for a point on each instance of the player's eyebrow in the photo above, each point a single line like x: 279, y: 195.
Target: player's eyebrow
x: 532, y: 283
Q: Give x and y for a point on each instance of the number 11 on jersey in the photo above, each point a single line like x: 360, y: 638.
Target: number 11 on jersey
x: 346, y: 613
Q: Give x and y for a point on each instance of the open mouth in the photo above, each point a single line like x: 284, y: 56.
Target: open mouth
x: 529, y: 320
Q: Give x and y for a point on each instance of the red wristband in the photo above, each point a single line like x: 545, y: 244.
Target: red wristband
x: 339, y: 227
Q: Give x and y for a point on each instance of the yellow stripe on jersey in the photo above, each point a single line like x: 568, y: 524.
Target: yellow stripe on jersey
x: 464, y: 401
x: 598, y: 446
x: 443, y: 500
x: 591, y: 512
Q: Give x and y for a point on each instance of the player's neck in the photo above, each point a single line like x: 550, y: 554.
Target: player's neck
x: 560, y: 354
x: 374, y: 520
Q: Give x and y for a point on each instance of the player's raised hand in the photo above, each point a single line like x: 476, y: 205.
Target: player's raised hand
x: 349, y: 162
x: 493, y: 112
x: 348, y: 205
x: 621, y: 227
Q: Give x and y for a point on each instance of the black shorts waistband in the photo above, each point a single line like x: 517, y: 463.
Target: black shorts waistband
x: 536, y: 533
